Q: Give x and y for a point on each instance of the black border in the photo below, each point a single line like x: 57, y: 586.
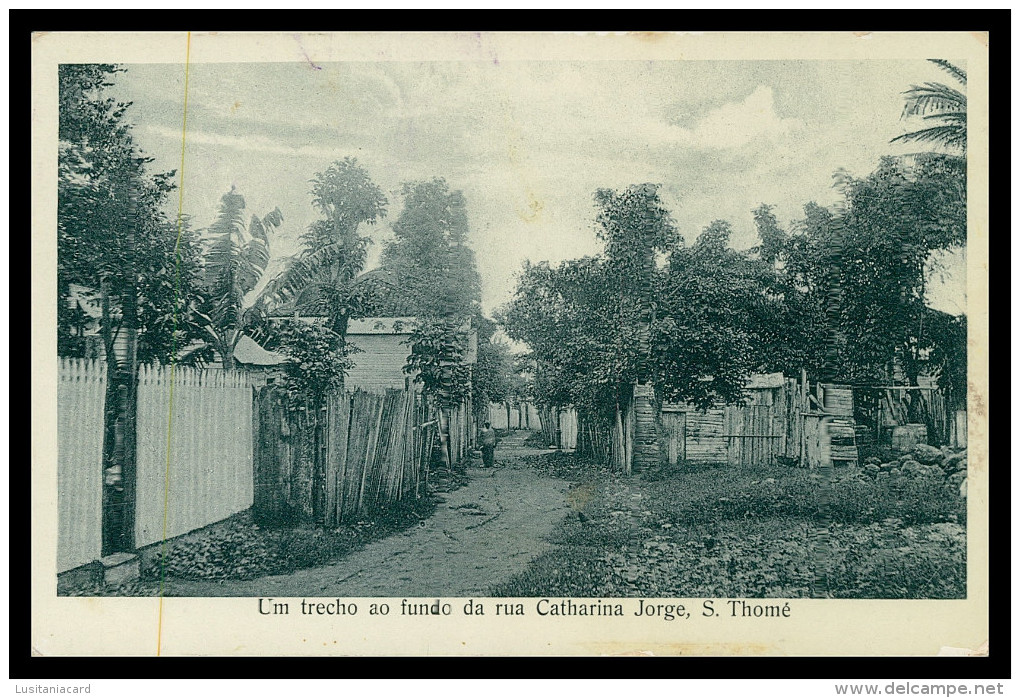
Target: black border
x: 996, y: 665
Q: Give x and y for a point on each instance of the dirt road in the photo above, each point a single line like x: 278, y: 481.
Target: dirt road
x: 479, y: 536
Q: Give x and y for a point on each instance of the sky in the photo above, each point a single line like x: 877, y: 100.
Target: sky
x: 529, y: 142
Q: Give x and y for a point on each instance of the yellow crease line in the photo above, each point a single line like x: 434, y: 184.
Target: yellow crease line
x: 173, y: 352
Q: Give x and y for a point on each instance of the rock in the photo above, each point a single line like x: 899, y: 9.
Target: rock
x: 872, y: 460
x: 956, y: 479
x: 871, y: 468
x: 910, y: 467
x: 890, y: 466
x: 963, y: 488
x: 882, y: 474
x: 923, y: 453
x: 957, y: 461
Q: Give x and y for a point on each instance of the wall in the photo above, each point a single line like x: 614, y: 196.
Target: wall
x: 380, y: 363
x: 81, y: 394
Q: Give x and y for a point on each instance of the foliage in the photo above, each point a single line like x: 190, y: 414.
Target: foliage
x: 717, y: 320
x: 317, y: 359
x: 240, y: 549
x: 434, y: 268
x: 883, y: 234
x: 235, y: 260
x: 436, y: 360
x: 492, y: 373
x: 434, y: 278
x: 112, y: 234
x: 942, y: 105
x: 749, y: 533
x: 346, y: 197
x: 323, y: 279
x: 598, y: 324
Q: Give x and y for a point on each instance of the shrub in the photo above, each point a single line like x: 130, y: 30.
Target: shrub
x: 762, y: 493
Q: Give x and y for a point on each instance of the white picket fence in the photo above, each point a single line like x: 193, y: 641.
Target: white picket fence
x: 81, y: 392
x: 195, y: 463
x: 207, y: 477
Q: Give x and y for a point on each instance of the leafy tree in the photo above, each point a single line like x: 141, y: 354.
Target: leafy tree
x: 324, y: 278
x: 436, y: 360
x: 112, y: 234
x: 635, y: 226
x: 317, y: 360
x: 941, y: 105
x: 235, y: 260
x: 114, y: 239
x: 435, y: 279
x: 717, y: 321
x: 434, y: 268
x: 865, y: 265
x: 493, y: 374
x: 597, y: 325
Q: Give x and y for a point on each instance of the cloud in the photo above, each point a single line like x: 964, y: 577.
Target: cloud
x: 736, y: 124
x: 251, y: 144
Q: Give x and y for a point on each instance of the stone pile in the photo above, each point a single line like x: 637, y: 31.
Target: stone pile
x: 923, y: 461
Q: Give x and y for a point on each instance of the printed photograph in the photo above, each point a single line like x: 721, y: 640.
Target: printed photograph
x: 574, y: 329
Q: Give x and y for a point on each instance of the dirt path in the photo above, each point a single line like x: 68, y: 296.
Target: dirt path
x: 479, y: 536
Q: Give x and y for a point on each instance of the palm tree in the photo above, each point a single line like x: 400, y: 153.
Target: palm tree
x: 325, y: 278
x: 235, y: 260
x: 943, y: 106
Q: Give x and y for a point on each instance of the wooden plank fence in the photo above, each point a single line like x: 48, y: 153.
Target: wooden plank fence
x: 209, y: 448
x: 357, y: 453
x: 208, y: 439
x: 81, y: 395
x: 780, y: 420
x: 517, y: 415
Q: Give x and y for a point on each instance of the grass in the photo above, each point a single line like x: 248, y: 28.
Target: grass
x: 713, y: 531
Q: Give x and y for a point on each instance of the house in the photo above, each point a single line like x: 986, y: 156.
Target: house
x: 382, y: 345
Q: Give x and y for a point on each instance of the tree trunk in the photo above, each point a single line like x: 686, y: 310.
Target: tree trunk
x: 122, y: 385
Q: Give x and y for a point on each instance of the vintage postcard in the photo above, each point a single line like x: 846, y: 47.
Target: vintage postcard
x: 510, y: 344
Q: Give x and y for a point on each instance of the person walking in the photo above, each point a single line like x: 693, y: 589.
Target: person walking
x: 488, y: 441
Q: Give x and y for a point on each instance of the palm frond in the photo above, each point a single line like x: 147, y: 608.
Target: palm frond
x: 957, y: 118
x: 931, y: 97
x: 956, y: 71
x: 944, y: 135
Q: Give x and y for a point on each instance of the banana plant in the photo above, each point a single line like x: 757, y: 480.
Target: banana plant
x: 235, y: 258
x: 325, y: 278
